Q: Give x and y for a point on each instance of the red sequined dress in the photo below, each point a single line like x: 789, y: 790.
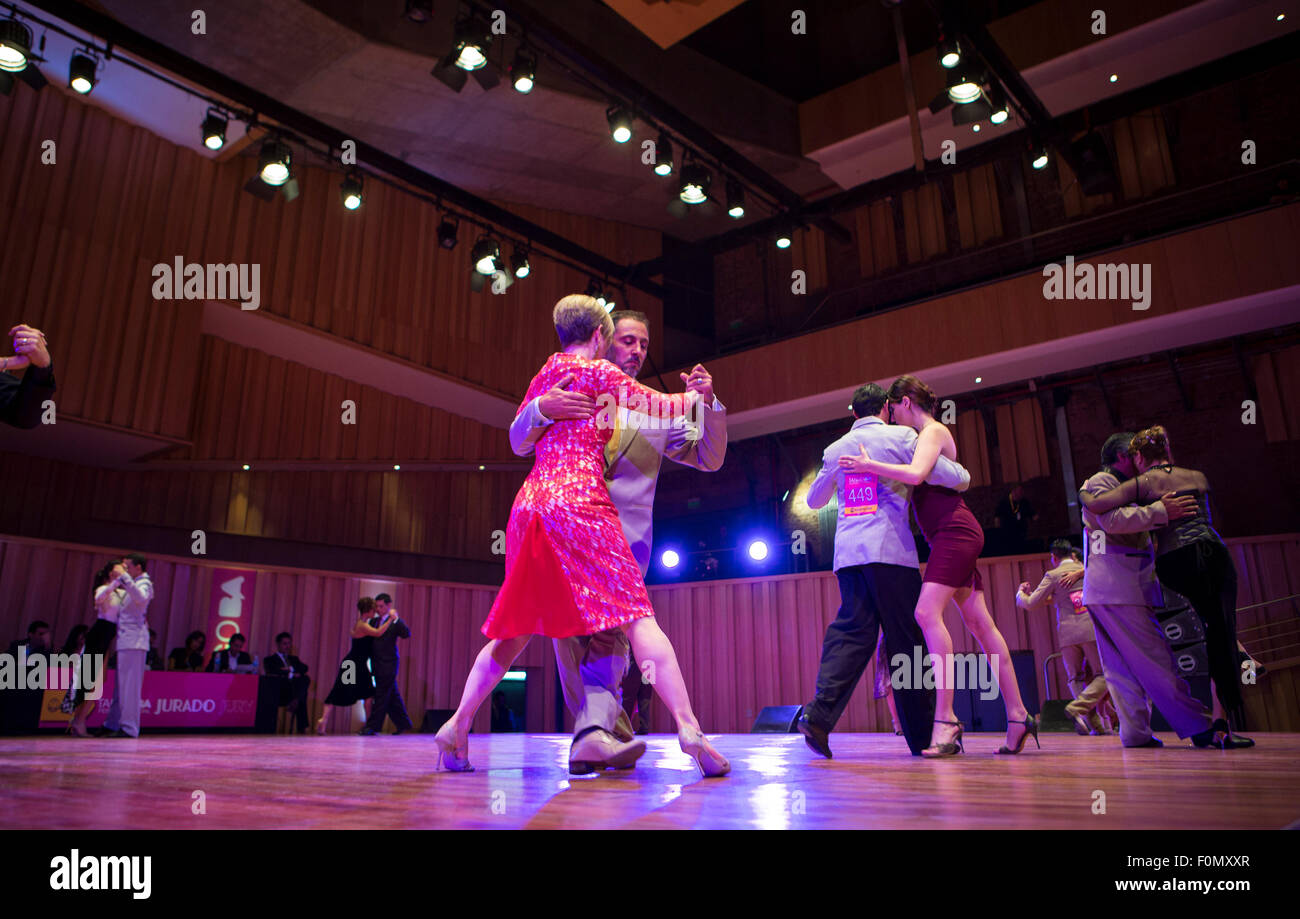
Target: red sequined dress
x: 569, y: 570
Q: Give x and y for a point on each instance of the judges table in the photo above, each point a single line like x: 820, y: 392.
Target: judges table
x: 171, y: 701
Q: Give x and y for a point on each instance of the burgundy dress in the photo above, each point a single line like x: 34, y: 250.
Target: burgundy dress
x: 955, y: 536
x: 569, y: 569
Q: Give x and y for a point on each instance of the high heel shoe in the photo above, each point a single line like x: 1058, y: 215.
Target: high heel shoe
x: 447, y: 758
x: 1031, y: 728
x: 952, y: 748
x: 694, y: 744
x: 320, y: 727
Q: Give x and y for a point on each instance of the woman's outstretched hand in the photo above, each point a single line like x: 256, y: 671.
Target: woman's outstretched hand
x: 860, y: 463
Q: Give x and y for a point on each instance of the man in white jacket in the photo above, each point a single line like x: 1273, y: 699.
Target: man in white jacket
x: 132, y: 648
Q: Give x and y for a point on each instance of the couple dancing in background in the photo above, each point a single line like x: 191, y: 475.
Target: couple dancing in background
x: 570, y: 570
x: 877, y: 574
x: 369, y: 671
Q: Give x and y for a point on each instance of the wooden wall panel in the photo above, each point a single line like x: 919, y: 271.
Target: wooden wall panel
x: 80, y: 238
x: 742, y: 644
x: 1022, y: 443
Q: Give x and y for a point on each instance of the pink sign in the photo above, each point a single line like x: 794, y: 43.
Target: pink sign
x: 860, y: 493
x: 174, y: 700
x: 230, y: 606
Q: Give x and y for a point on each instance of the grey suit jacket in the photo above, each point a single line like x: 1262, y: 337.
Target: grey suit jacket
x: 1124, y: 572
x: 884, y: 536
x: 384, y: 650
x: 633, y: 474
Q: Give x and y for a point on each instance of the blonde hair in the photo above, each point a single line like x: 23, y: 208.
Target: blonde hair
x: 577, y: 316
x: 1152, y: 443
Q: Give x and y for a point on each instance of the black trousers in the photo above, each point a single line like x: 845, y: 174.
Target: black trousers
x: 873, y: 598
x: 388, y: 700
x: 1203, y: 573
x: 296, y: 690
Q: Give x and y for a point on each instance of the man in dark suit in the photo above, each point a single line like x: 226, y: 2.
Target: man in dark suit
x: 22, y: 402
x: 385, y: 660
x: 227, y: 659
x: 293, y: 690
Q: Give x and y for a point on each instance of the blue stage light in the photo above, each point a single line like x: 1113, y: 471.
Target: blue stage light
x: 670, y: 558
x: 758, y: 550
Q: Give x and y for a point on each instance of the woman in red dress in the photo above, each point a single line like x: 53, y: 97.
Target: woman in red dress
x: 956, y: 540
x: 569, y: 570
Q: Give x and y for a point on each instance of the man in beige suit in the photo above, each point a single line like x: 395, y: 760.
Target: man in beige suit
x: 1121, y: 593
x: 592, y: 667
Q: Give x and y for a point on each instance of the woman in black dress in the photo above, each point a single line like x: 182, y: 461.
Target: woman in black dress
x: 355, y: 681
x: 107, y: 601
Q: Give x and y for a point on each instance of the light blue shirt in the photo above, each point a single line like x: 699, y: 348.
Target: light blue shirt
x: 885, y: 536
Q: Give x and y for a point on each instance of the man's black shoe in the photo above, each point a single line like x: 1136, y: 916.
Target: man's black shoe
x: 1220, y: 738
x: 367, y: 732
x: 120, y: 733
x: 817, y: 739
x: 1153, y: 742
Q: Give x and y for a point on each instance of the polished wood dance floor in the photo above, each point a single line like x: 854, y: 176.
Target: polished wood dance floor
x: 251, y: 781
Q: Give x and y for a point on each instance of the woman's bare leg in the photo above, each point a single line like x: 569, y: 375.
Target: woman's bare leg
x: 489, y: 667
x: 929, y: 616
x: 658, y: 661
x: 975, y: 613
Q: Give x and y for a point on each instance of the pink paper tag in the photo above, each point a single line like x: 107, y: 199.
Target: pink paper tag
x: 859, y: 493
x: 1076, y: 600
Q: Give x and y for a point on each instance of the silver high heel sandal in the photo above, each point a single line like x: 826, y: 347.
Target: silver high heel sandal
x: 694, y: 744
x: 447, y: 758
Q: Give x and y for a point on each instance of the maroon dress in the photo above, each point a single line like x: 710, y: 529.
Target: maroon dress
x: 955, y: 536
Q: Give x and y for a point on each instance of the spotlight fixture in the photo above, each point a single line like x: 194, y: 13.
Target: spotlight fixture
x: 664, y: 156
x: 213, y: 130
x: 949, y: 53
x: 962, y: 87
x: 695, y: 183
x: 485, y: 254
x: 735, y: 199
x: 447, y: 231
x: 419, y: 10
x: 470, y: 45
x: 784, y: 237
x: 998, y: 104
x: 519, y: 263
x: 1039, y: 157
x: 670, y: 558
x: 350, y: 189
x: 620, y: 124
x: 274, y: 162
x: 15, y: 46
x: 523, y: 72
x: 758, y: 550
x: 81, y: 73
x: 971, y: 112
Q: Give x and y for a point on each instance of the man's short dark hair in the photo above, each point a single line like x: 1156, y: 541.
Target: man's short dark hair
x: 282, y: 636
x: 1061, y: 548
x: 385, y: 597
x: 37, y: 626
x: 615, y: 316
x: 1116, y: 445
x: 240, y: 636
x: 868, y: 400
x: 136, y: 558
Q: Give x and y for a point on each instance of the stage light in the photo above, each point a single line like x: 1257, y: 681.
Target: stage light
x: 735, y: 199
x: 596, y: 293
x: 1040, y: 158
x: 419, y: 10
x: 979, y: 379
x: 274, y: 162
x: 998, y: 103
x: 962, y: 87
x: 447, y: 231
x: 213, y: 131
x: 975, y: 127
x: 758, y: 550
x: 949, y: 53
x: 664, y: 156
x: 470, y: 46
x: 784, y: 238
x: 396, y: 468
x: 515, y: 676
x: 670, y: 558
x: 481, y: 468
x: 620, y: 124
x: 695, y: 184
x: 247, y: 467
x: 1114, y: 78
x: 350, y: 189
x: 81, y: 73
x: 485, y: 254
x: 519, y: 264
x: 610, y: 305
x: 15, y: 46
x: 523, y: 72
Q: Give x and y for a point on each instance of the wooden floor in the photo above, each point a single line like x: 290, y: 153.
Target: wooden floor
x: 251, y: 781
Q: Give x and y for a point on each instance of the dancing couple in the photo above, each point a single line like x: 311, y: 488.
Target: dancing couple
x: 570, y: 570
x: 356, y: 678
x: 877, y: 569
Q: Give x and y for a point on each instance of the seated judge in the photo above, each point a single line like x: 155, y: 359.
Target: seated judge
x: 190, y: 657
x: 228, y: 659
x: 293, y: 689
x: 22, y: 401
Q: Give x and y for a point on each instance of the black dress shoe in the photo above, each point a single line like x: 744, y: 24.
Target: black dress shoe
x: 1221, y: 738
x: 1153, y: 742
x: 366, y: 732
x: 817, y: 739
x: 120, y: 733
